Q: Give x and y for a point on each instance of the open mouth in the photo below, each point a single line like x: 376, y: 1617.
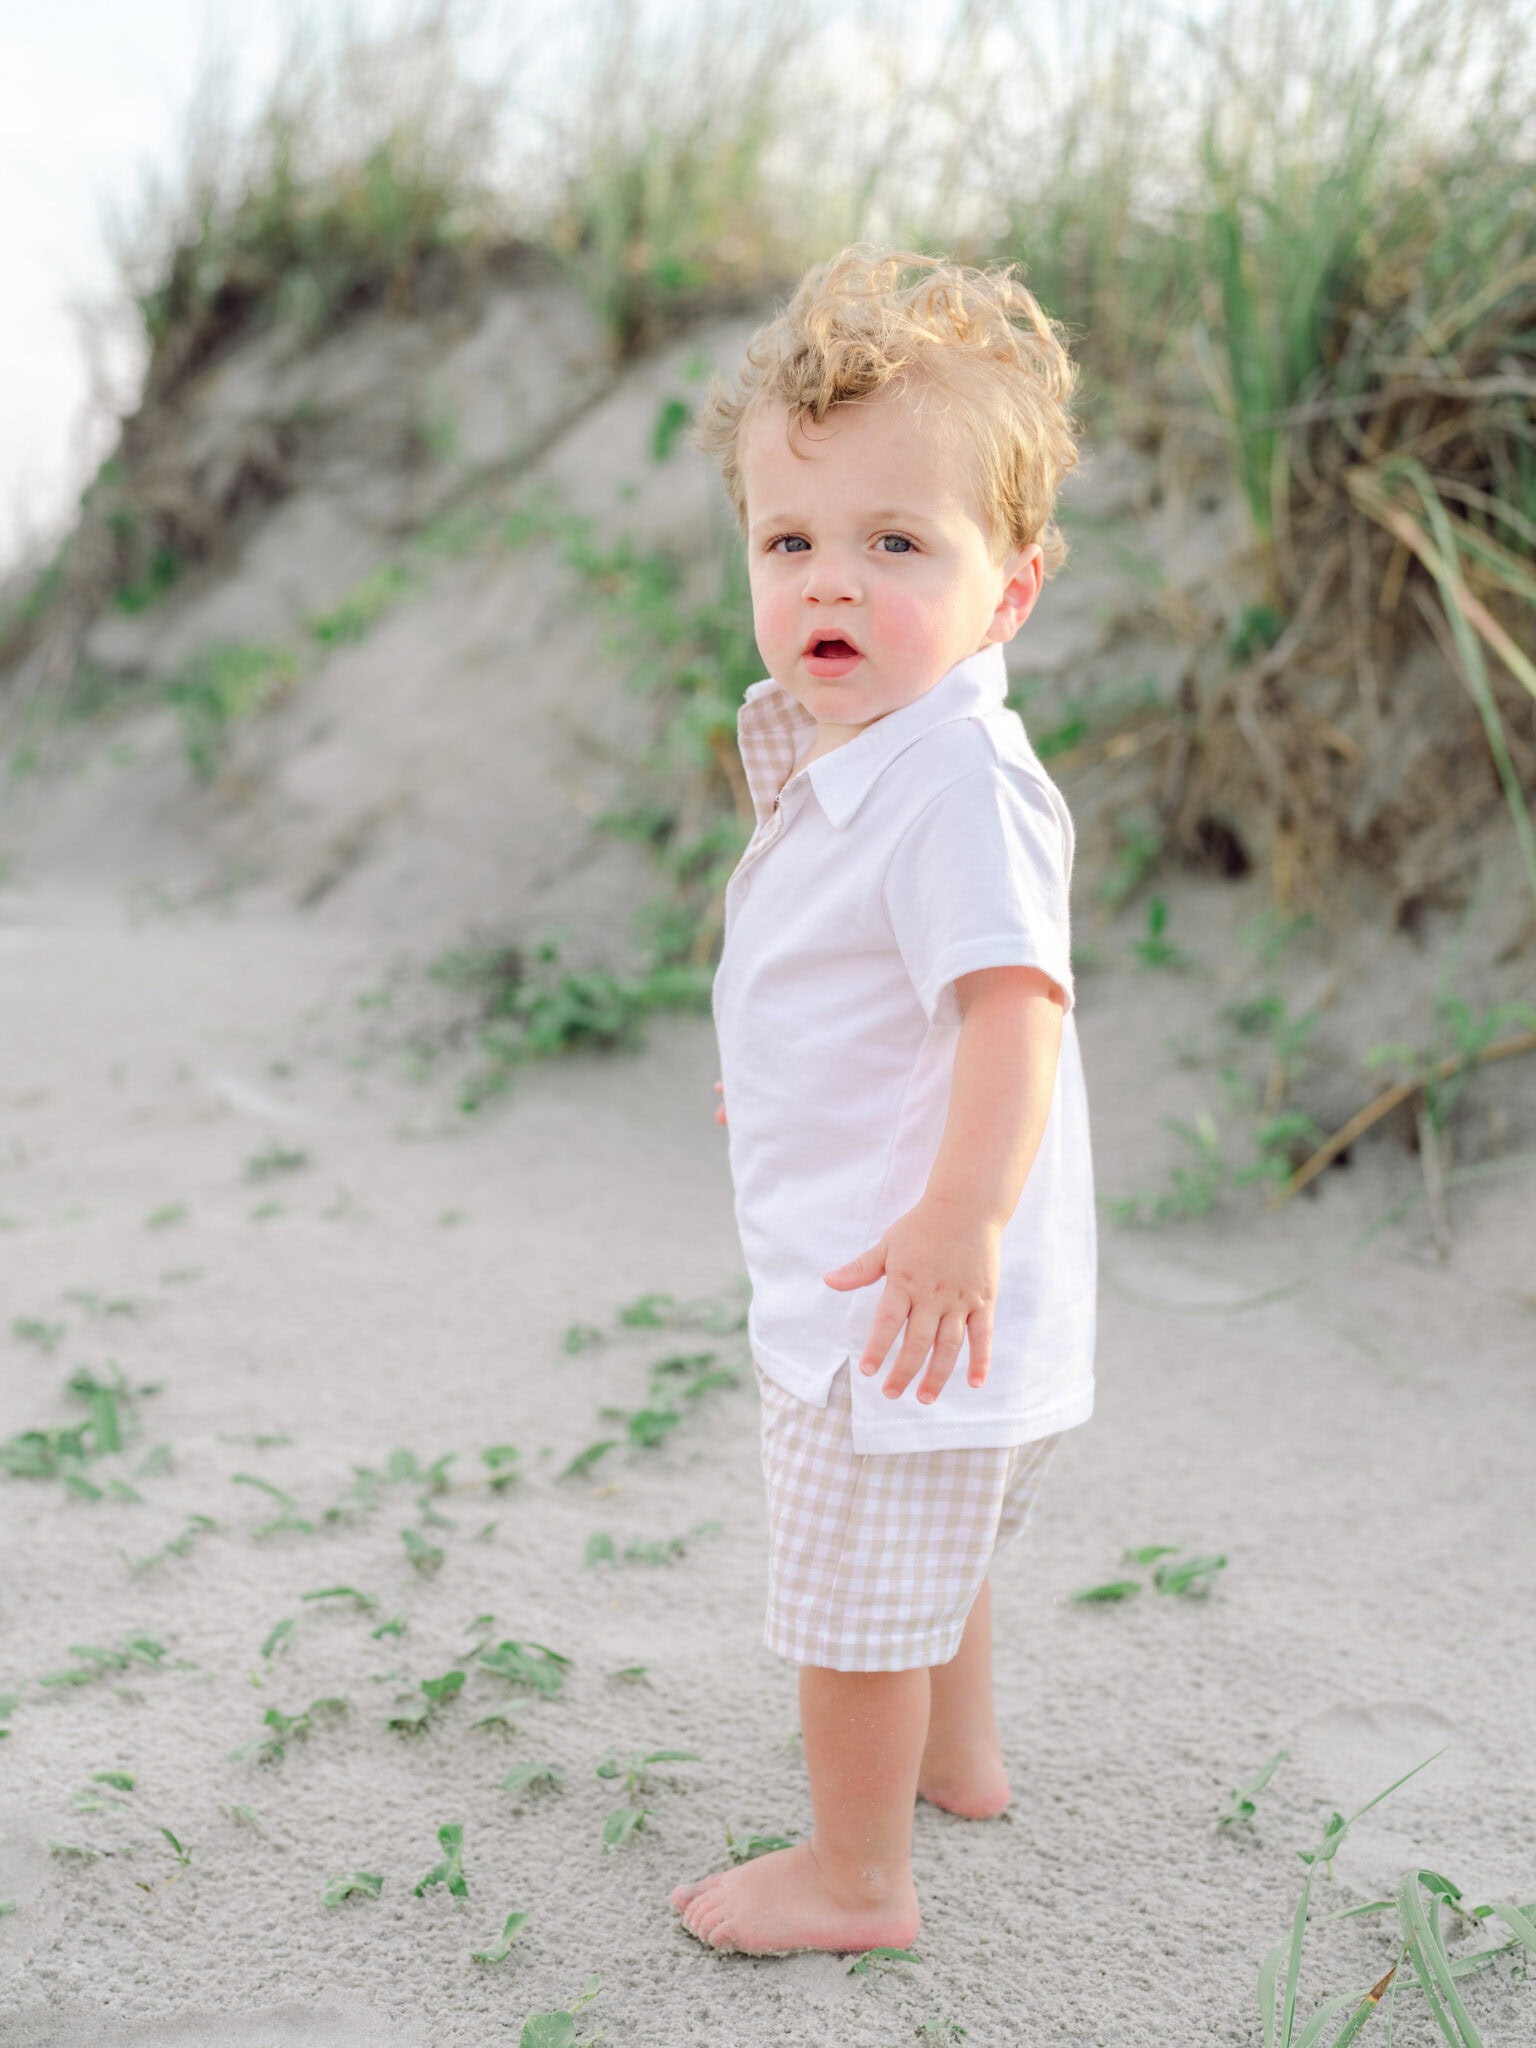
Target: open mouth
x: 831, y: 650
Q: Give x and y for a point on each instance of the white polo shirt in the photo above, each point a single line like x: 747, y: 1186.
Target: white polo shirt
x: 931, y: 843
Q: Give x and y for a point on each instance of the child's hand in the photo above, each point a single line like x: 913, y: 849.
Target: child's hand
x: 940, y: 1265
x: 720, y: 1105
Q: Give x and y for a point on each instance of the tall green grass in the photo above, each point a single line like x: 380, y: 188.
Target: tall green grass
x: 1307, y: 232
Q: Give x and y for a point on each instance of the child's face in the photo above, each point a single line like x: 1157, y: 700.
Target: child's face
x: 871, y: 532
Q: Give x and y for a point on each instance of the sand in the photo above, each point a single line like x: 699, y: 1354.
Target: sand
x: 1358, y: 1446
x: 190, y: 978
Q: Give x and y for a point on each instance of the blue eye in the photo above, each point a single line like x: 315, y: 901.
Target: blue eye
x: 906, y: 545
x: 789, y: 536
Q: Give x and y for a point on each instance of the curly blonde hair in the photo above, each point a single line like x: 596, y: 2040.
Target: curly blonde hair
x: 976, y: 338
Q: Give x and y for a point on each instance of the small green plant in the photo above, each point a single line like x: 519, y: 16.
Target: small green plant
x: 874, y: 1957
x: 689, y: 1374
x: 364, y: 1603
x: 674, y: 415
x: 364, y: 605
x: 99, y: 1306
x: 755, y: 1845
x: 528, y: 1777
x: 625, y: 1821
x: 64, y: 1453
x: 410, y: 1712
x: 183, y: 1856
x: 601, y: 1548
x: 450, y: 1871
x: 365, y: 1884
x: 1240, y: 1804
x: 1154, y: 948
x: 533, y: 1665
x: 135, y: 1649
x: 502, y: 1466
x: 1110, y: 1590
x: 529, y: 1008
x: 33, y: 1330
x: 195, y: 1527
x: 584, y: 1460
x: 1191, y: 1576
x: 1138, y: 847
x: 646, y: 1427
x: 103, y: 1794
x: 558, y: 2029
x: 160, y: 572
x: 414, y: 1710
x: 633, y: 1768
x: 219, y: 685
x: 274, y: 1160
x: 279, y: 1637
x: 502, y: 1947
x: 281, y: 1729
x: 289, y: 1517
x: 424, y: 1557
x: 1196, y: 1186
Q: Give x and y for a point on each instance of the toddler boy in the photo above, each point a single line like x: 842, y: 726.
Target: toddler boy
x: 902, y: 1089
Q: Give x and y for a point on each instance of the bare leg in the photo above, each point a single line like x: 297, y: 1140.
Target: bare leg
x: 962, y: 1765
x: 849, y: 1887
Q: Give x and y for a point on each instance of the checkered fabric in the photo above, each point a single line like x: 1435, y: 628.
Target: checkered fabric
x: 874, y: 1561
x: 770, y: 731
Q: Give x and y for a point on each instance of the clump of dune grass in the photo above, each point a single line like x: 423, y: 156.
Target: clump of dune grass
x: 1424, y: 1963
x: 1367, y: 340
x: 1296, y: 246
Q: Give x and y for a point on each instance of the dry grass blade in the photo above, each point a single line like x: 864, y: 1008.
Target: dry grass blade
x: 1390, y: 1099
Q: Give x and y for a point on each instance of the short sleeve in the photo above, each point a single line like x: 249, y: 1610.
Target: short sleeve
x: 981, y: 878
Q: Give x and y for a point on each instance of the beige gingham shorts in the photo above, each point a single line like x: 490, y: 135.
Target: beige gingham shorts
x: 874, y: 1560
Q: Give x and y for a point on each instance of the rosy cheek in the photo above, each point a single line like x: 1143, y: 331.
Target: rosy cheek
x: 904, y: 616
x: 774, y: 609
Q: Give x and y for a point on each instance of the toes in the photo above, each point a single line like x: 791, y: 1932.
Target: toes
x: 697, y: 1914
x: 685, y: 1894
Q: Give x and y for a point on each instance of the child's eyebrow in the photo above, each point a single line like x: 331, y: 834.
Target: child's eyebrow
x: 902, y: 514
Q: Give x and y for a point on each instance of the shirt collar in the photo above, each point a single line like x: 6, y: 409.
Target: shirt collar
x: 772, y: 725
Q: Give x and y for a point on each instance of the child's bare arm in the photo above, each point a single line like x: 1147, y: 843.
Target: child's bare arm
x: 940, y: 1259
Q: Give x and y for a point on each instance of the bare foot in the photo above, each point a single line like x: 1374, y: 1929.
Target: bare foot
x: 782, y: 1901
x: 975, y: 1787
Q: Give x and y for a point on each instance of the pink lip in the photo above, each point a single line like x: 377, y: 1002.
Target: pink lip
x: 831, y: 664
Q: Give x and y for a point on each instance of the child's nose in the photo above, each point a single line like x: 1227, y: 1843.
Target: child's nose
x: 831, y: 575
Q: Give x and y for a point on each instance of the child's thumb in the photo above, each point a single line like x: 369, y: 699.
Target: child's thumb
x: 861, y: 1271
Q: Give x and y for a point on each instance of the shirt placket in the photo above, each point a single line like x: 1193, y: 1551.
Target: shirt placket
x: 770, y: 829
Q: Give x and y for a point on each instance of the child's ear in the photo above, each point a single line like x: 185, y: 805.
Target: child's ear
x: 1025, y: 569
